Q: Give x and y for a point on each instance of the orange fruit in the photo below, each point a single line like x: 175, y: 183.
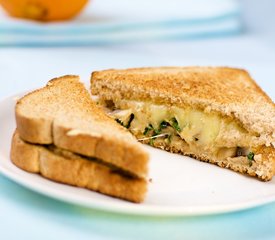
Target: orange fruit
x: 43, y: 10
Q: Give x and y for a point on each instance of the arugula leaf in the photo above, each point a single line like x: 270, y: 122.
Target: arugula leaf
x: 175, y: 124
x: 163, y: 125
x: 250, y: 157
x: 169, y: 138
x: 147, y: 129
x: 156, y: 132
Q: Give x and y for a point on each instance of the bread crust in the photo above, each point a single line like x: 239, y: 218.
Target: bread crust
x: 262, y: 167
x: 75, y: 170
x: 63, y: 114
x: 34, y: 130
x: 228, y: 91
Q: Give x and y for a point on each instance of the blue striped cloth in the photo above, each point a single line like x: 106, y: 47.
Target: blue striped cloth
x: 108, y: 22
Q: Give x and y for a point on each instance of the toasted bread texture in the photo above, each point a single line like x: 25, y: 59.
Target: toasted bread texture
x: 262, y: 166
x: 231, y: 93
x: 62, y: 113
x: 66, y: 167
x: 228, y: 91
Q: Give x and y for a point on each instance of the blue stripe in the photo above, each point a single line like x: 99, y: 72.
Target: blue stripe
x: 100, y: 42
x: 109, y: 27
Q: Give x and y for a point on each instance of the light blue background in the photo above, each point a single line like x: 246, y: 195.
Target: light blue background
x: 123, y: 21
x: 27, y: 215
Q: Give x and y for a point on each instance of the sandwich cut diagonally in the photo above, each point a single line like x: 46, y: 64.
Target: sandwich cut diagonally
x: 60, y: 128
x: 215, y: 114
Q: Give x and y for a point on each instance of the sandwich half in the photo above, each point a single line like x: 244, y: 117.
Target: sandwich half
x: 214, y: 114
x: 61, y: 122
x: 66, y: 167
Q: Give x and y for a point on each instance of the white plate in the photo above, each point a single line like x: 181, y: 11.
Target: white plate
x: 180, y: 185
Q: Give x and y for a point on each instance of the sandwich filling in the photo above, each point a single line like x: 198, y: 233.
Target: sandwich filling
x: 70, y: 155
x: 183, y: 129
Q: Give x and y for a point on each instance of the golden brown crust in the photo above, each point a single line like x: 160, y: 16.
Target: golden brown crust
x: 23, y: 155
x: 35, y: 124
x: 263, y: 166
x: 229, y: 91
x: 120, y: 152
x: 76, y: 171
x: 38, y: 130
x: 63, y: 113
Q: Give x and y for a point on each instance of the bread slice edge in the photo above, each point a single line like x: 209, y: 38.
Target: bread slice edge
x: 262, y: 166
x: 128, y: 155
x: 76, y: 172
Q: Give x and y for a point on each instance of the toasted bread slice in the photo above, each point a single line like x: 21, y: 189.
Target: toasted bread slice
x: 66, y: 167
x: 63, y: 114
x: 215, y: 114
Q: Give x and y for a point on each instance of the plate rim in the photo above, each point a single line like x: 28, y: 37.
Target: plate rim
x: 128, y: 209
x: 131, y: 209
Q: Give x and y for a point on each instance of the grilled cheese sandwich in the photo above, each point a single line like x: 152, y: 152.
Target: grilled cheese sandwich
x: 62, y: 135
x: 197, y: 111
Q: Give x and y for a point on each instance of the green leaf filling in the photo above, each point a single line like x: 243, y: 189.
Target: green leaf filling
x: 250, y: 157
x: 156, y: 132
x: 169, y: 138
x: 175, y: 124
x: 148, y: 129
x: 163, y: 125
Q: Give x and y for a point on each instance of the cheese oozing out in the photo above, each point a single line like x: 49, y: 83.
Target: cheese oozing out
x: 200, y: 132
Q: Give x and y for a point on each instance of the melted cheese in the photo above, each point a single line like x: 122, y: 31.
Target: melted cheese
x: 197, y: 128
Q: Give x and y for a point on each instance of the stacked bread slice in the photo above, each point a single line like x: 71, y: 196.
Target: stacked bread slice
x: 65, y: 137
